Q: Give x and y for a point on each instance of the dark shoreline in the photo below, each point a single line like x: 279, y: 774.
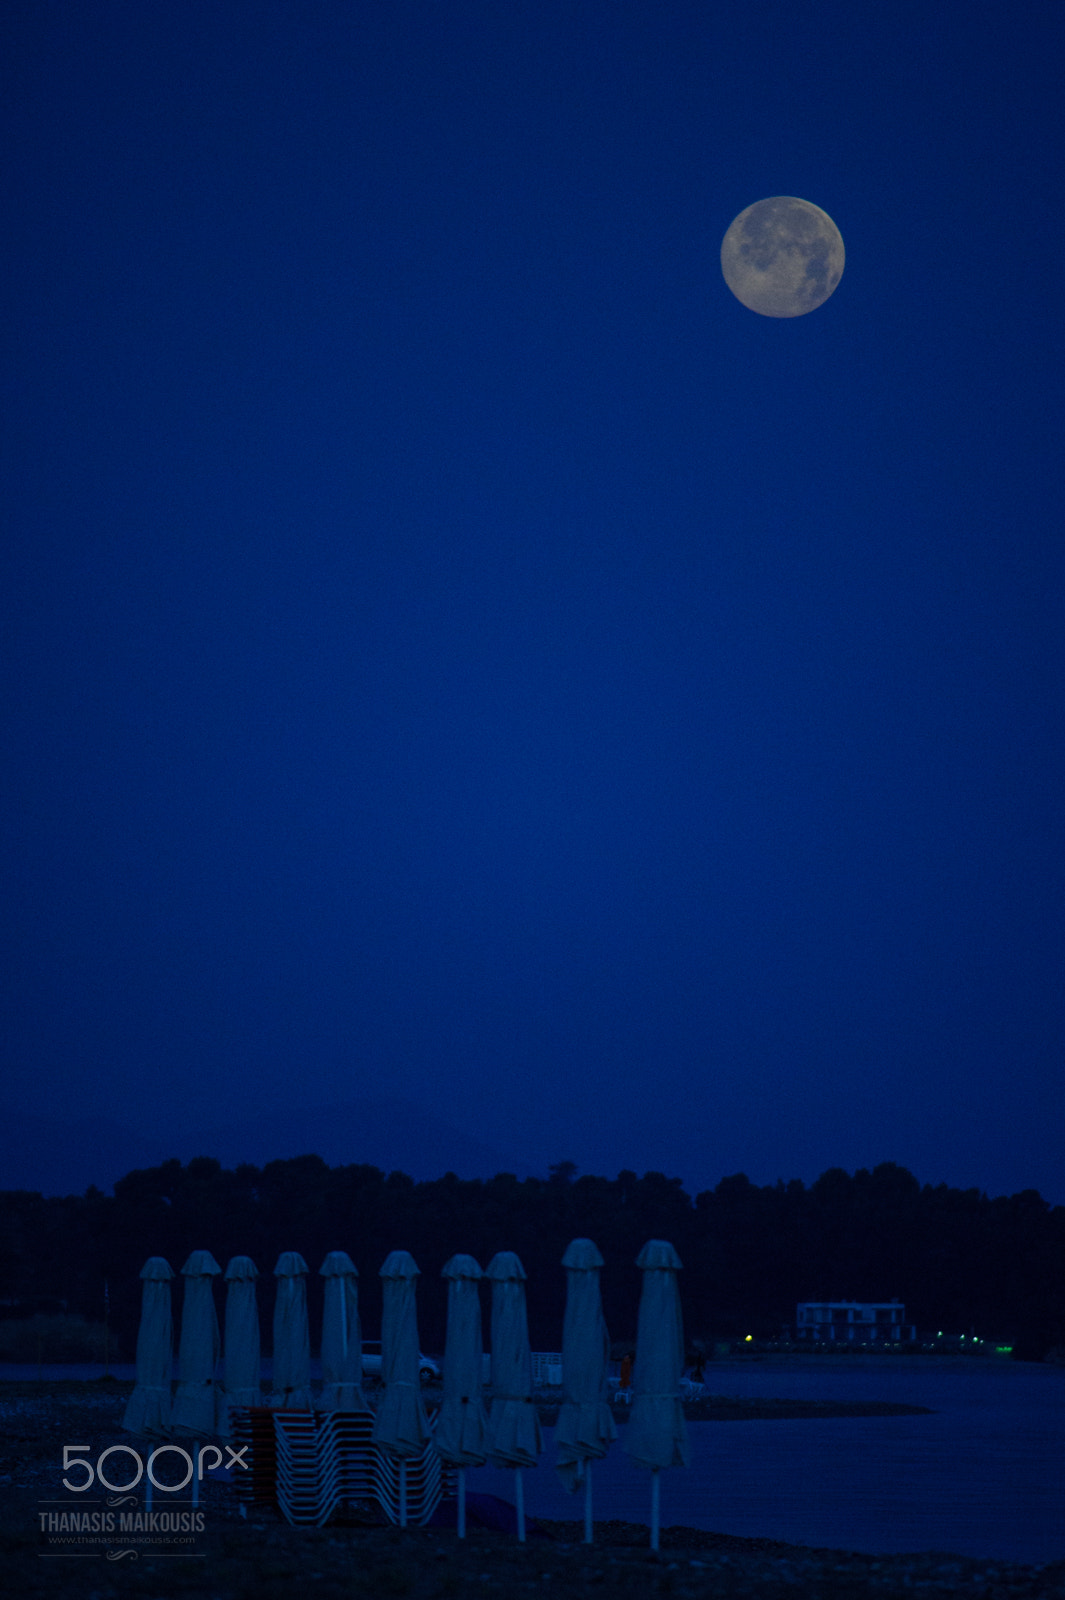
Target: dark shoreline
x: 727, y: 1408
x: 263, y: 1558
x: 712, y: 1408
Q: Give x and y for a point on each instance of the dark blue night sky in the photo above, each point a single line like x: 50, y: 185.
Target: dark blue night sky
x: 452, y: 648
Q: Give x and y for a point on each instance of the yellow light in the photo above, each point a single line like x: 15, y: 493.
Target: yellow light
x: 748, y: 1339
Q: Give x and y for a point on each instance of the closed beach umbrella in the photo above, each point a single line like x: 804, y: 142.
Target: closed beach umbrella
x: 292, y: 1343
x: 657, y: 1436
x: 341, y: 1336
x: 240, y: 1347
x: 400, y: 1427
x: 461, y: 1426
x: 514, y: 1438
x: 585, y: 1428
x: 198, y: 1403
x: 148, y: 1409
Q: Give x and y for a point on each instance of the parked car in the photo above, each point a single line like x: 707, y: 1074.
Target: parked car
x: 428, y: 1369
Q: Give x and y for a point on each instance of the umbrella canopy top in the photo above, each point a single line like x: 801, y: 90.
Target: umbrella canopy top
x: 241, y: 1267
x: 461, y: 1423
x: 148, y: 1410
x: 504, y: 1267
x: 157, y: 1267
x: 514, y: 1438
x: 582, y: 1255
x: 656, y: 1435
x: 338, y: 1264
x: 659, y: 1253
x: 461, y: 1267
x: 399, y: 1264
x: 197, y: 1407
x: 400, y: 1427
x: 290, y: 1264
x: 585, y: 1427
x: 341, y: 1336
x: 201, y: 1264
x: 292, y: 1349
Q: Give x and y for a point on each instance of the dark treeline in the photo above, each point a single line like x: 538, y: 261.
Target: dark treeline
x: 959, y: 1260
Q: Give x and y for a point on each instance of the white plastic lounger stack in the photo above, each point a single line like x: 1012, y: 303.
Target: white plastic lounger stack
x: 253, y: 1433
x: 306, y: 1483
x: 348, y: 1434
x: 425, y: 1484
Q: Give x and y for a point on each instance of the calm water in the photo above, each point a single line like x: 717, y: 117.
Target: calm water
x: 984, y: 1476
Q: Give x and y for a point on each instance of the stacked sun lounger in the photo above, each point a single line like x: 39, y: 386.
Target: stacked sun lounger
x: 309, y: 1463
x: 306, y: 1475
x: 425, y: 1485
x: 253, y: 1435
x: 345, y: 1435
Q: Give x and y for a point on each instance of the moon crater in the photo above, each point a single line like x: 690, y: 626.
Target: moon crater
x: 782, y: 257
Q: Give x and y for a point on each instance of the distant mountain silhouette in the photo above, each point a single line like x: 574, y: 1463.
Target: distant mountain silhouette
x: 390, y: 1133
x: 64, y: 1155
x: 54, y: 1155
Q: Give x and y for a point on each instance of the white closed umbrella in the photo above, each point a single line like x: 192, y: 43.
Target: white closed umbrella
x: 341, y: 1336
x: 462, y: 1427
x: 400, y: 1427
x: 241, y: 1360
x: 514, y: 1438
x: 148, y: 1408
x: 292, y: 1342
x: 197, y: 1403
x: 657, y: 1435
x: 585, y: 1428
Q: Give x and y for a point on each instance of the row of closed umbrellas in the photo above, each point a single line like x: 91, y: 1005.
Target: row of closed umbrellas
x: 464, y: 1434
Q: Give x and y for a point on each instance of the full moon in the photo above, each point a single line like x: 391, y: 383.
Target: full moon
x: 782, y: 257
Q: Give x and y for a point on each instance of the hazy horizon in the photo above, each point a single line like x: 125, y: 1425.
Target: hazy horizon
x: 388, y: 1133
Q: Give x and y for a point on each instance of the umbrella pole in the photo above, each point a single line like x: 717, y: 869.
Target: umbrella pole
x: 461, y: 1515
x: 587, y: 1502
x: 403, y: 1494
x: 654, y: 1508
x: 519, y: 1499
